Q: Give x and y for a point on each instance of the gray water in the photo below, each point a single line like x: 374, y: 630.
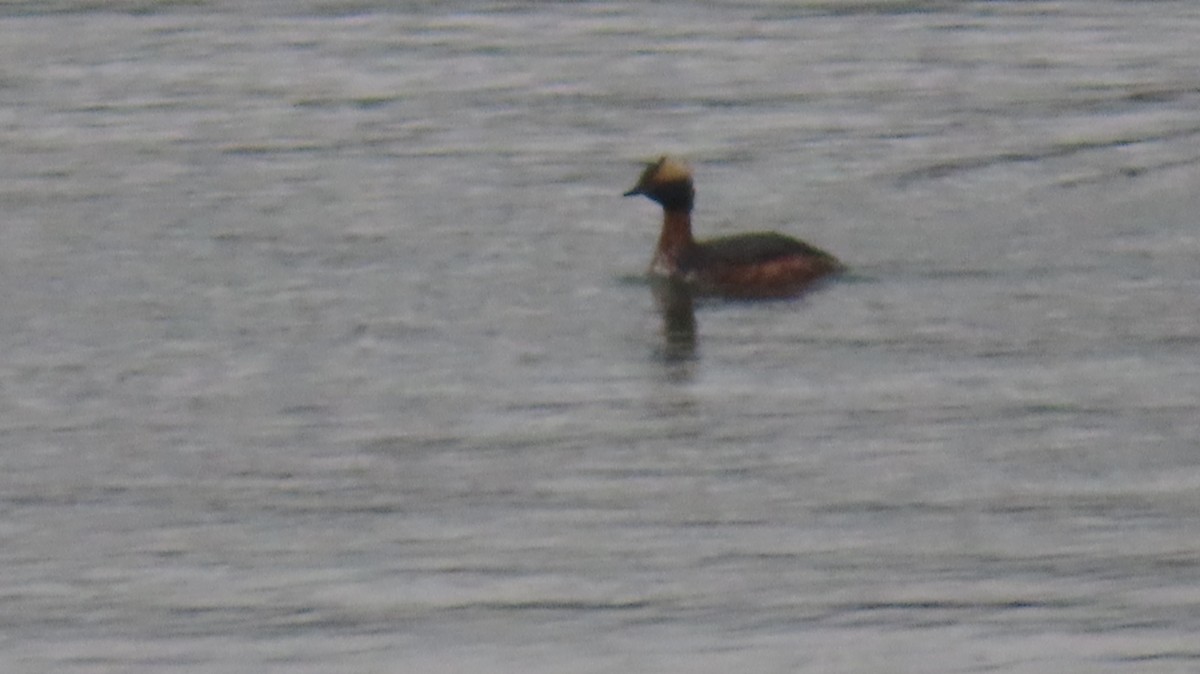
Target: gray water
x: 325, y: 347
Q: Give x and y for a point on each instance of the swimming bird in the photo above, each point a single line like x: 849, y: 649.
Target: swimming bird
x: 753, y: 265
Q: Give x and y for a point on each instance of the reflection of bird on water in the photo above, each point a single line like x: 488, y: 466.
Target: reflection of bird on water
x: 679, y: 319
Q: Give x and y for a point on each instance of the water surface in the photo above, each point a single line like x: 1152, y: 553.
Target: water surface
x: 326, y: 348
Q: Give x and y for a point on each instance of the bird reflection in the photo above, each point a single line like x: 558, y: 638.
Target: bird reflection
x: 676, y: 305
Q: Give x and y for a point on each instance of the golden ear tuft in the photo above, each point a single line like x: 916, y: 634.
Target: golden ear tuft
x: 669, y: 170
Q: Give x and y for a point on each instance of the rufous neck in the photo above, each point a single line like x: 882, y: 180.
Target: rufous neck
x: 676, y: 233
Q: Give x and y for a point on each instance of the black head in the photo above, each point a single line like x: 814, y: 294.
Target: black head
x: 667, y: 181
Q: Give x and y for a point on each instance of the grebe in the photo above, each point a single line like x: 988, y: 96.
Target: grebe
x: 759, y: 264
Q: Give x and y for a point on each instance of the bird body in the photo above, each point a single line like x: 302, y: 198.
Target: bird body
x: 757, y: 264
